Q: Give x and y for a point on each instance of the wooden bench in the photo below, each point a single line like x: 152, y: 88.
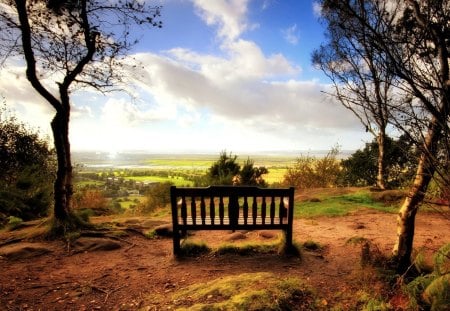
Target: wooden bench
x: 231, y: 208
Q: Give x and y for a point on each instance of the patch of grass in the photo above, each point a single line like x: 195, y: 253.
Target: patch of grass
x: 248, y: 249
x: 356, y: 240
x: 14, y: 223
x: 151, y: 234
x: 275, y: 175
x: 192, y: 249
x: 312, y: 245
x: 370, y: 303
x: 340, y: 205
x: 248, y: 291
x: 294, y: 250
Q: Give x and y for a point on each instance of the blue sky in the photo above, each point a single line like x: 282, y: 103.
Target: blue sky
x: 220, y: 75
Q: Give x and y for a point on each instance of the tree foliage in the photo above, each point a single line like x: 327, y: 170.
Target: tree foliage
x: 311, y: 172
x: 226, y: 171
x: 252, y: 176
x: 67, y: 45
x: 26, y: 170
x: 414, y: 46
x: 357, y: 69
x: 360, y: 169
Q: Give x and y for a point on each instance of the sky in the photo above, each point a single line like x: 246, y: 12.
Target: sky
x: 232, y: 75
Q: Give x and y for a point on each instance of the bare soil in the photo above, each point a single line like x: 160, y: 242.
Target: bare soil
x: 133, y: 272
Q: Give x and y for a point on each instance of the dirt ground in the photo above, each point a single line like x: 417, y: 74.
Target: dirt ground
x: 134, y: 269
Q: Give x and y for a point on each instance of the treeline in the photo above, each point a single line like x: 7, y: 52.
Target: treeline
x: 358, y: 170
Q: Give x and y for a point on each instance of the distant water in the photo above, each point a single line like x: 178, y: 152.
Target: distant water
x: 146, y: 160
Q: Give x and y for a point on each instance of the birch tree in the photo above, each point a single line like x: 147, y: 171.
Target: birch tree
x: 415, y: 51
x: 356, y: 69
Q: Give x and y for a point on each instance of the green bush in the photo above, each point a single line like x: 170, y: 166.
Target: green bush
x: 432, y: 291
x: 14, y: 222
x: 310, y: 172
x: 156, y: 197
x: 437, y: 294
x: 27, y: 171
x: 442, y: 260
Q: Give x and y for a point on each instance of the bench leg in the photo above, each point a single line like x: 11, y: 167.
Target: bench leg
x: 288, y: 237
x: 176, y: 242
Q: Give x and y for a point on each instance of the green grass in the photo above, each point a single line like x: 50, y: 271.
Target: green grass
x: 177, y: 181
x: 248, y: 248
x: 248, y: 291
x: 86, y: 183
x: 126, y: 204
x: 333, y: 206
x: 276, y: 175
x: 191, y: 163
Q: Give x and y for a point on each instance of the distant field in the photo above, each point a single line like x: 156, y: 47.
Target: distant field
x: 176, y: 166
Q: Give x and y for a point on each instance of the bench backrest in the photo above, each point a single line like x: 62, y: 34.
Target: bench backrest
x: 232, y: 206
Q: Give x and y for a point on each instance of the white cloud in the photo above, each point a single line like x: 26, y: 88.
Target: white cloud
x: 317, y: 9
x: 229, y: 92
x: 291, y: 35
x: 241, y: 99
x: 228, y: 15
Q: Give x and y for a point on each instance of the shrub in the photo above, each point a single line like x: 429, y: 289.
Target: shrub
x: 226, y: 171
x: 360, y: 169
x: 27, y: 171
x: 432, y: 291
x: 310, y: 172
x: 157, y: 196
x: 92, y: 200
x: 14, y: 222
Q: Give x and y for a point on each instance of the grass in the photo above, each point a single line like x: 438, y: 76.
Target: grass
x: 128, y: 201
x: 194, y: 248
x: 276, y: 175
x: 247, y: 291
x: 340, y: 205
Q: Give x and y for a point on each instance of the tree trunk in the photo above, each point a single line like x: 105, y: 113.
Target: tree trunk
x: 63, y: 188
x: 407, y: 213
x: 381, y: 140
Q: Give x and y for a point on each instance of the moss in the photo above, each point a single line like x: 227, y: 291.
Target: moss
x: 312, y: 245
x: 193, y: 249
x: 248, y: 291
x: 442, y: 260
x: 437, y: 294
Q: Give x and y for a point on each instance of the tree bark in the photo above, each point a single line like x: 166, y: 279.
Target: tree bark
x: 381, y: 140
x: 407, y: 213
x: 63, y: 188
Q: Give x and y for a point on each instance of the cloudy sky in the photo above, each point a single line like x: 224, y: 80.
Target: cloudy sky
x: 229, y: 75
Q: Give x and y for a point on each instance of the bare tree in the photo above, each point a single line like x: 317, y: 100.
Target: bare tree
x: 357, y: 70
x: 416, y: 52
x: 70, y: 44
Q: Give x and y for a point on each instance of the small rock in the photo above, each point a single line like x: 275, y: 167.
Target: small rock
x: 266, y: 234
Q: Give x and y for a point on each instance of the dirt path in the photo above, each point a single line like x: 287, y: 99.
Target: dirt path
x: 142, y: 273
